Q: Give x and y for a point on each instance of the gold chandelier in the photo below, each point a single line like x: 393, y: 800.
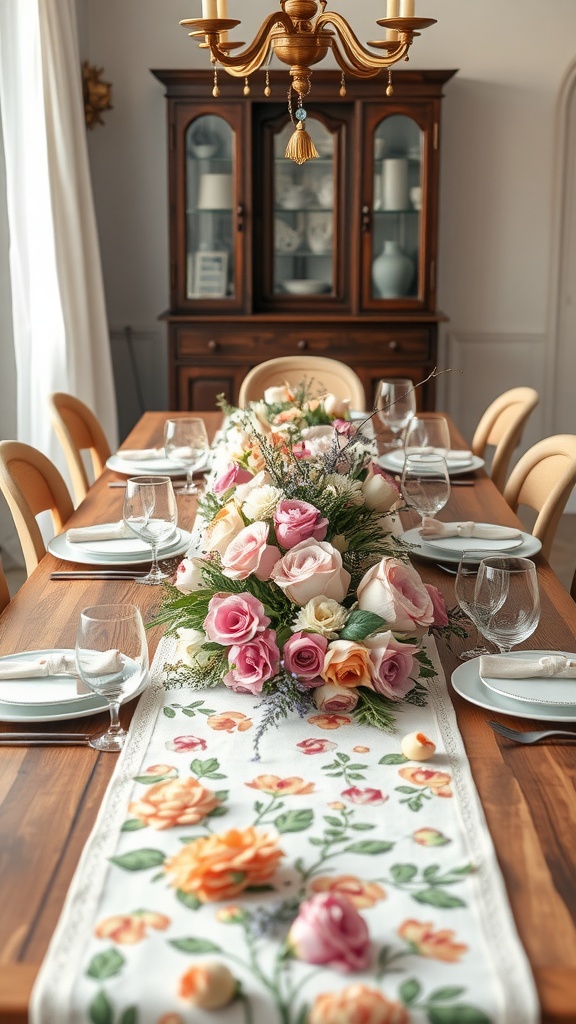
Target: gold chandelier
x: 301, y: 33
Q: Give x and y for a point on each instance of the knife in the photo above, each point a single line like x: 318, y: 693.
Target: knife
x: 97, y: 574
x: 39, y: 739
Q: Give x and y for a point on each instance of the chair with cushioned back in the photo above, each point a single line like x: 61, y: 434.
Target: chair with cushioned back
x: 78, y: 430
x: 4, y: 592
x: 31, y: 484
x: 543, y: 479
x: 323, y: 375
x: 501, y: 426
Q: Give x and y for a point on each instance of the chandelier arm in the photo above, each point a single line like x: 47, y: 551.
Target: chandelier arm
x: 348, y: 48
x: 253, y: 57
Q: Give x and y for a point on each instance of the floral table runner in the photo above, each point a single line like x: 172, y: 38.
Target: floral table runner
x: 331, y: 882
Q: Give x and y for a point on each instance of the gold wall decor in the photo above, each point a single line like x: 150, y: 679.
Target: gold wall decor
x: 97, y: 94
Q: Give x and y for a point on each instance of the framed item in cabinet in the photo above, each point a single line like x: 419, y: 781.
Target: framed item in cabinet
x: 208, y: 275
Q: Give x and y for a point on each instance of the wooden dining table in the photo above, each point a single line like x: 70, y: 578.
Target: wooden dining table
x: 50, y: 796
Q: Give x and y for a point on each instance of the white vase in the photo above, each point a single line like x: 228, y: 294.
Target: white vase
x: 392, y: 272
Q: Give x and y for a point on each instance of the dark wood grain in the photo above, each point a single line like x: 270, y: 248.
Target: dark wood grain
x: 49, y: 798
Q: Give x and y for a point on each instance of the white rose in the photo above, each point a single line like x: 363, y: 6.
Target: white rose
x: 258, y: 480
x: 189, y: 575
x: 261, y: 502
x: 379, y: 494
x: 189, y: 648
x: 226, y: 524
x: 310, y: 569
x: 275, y: 396
x: 321, y: 615
x: 337, y: 407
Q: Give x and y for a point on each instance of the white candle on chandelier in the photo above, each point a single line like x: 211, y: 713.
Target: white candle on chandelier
x: 209, y: 9
x: 406, y: 8
x: 222, y: 7
x: 392, y: 11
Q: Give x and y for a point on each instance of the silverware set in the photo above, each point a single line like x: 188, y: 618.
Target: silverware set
x: 528, y: 738
x: 98, y: 574
x: 44, y: 739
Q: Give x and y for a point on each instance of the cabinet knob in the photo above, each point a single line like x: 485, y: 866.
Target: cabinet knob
x: 302, y: 344
x: 393, y: 346
x: 365, y: 218
x: 240, y: 216
x: 212, y: 345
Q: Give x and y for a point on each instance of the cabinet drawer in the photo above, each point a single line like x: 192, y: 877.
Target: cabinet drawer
x: 217, y: 342
x: 394, y: 345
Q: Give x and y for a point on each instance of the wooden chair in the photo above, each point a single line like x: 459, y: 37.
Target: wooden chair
x: 329, y: 375
x: 78, y: 430
x: 31, y: 484
x: 543, y: 480
x: 4, y: 592
x: 501, y: 425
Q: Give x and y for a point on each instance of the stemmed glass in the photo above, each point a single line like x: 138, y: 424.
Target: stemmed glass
x: 395, y: 405
x: 186, y: 443
x: 112, y: 660
x: 427, y: 431
x: 506, y: 605
x: 151, y: 512
x: 464, y: 585
x: 425, y: 483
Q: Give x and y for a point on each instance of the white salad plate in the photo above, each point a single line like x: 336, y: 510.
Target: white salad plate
x: 530, y: 546
x: 459, y: 545
x: 542, y: 690
x: 122, y: 546
x: 123, y: 554
x: 394, y: 463
x: 466, y: 681
x: 150, y: 467
x: 61, y: 699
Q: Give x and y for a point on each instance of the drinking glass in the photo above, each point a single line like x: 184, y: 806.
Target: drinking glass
x: 150, y: 510
x: 464, y: 585
x: 186, y: 443
x: 506, y: 606
x: 112, y: 660
x: 429, y: 432
x: 425, y: 483
x: 395, y: 406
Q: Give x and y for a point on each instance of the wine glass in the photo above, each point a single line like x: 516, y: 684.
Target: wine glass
x: 464, y: 585
x: 150, y: 510
x: 506, y: 606
x: 425, y: 483
x: 186, y: 443
x: 427, y: 431
x: 395, y: 405
x: 112, y: 660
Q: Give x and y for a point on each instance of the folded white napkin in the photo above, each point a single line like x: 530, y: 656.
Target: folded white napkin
x: 141, y: 454
x: 484, y: 531
x: 105, y: 663
x: 453, y: 455
x: 102, y: 531
x: 558, y: 666
x: 47, y: 665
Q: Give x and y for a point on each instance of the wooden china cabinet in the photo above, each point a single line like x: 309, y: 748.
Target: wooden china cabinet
x: 334, y: 257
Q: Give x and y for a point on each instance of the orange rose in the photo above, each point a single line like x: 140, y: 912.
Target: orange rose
x: 273, y: 784
x: 229, y: 720
x: 220, y: 867
x: 127, y: 929
x: 209, y: 985
x: 176, y: 802
x: 437, y: 945
x: 354, y: 1004
x: 438, y: 782
x: 326, y: 721
x: 346, y: 664
x: 361, y: 894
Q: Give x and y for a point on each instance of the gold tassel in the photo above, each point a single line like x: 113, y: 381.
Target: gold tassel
x: 300, y: 147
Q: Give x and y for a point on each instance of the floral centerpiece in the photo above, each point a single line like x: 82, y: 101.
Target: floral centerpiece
x: 296, y: 587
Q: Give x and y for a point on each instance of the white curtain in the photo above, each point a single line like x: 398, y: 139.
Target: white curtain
x: 59, y: 316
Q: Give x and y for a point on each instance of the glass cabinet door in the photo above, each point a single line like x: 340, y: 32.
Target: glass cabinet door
x: 304, y: 232
x: 210, y: 208
x: 397, y: 209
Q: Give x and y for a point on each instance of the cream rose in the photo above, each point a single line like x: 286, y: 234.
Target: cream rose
x: 339, y: 408
x: 189, y: 575
x: 261, y: 502
x: 310, y: 569
x: 278, y: 395
x: 395, y: 591
x: 189, y: 648
x: 226, y: 525
x: 321, y: 615
x: 380, y: 495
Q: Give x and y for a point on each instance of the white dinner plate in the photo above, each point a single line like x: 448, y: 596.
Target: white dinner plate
x: 150, y: 467
x: 541, y: 690
x: 122, y: 546
x: 466, y: 681
x: 73, y: 705
x: 461, y: 544
x: 60, y: 548
x: 530, y: 546
x: 394, y: 464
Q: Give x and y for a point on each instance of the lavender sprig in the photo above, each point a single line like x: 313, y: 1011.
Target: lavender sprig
x: 285, y: 694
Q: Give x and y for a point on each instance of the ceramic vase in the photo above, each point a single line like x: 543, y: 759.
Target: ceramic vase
x: 392, y: 272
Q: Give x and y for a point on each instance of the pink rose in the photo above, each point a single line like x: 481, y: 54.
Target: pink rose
x: 395, y: 591
x: 335, y: 699
x: 329, y: 930
x: 296, y: 521
x: 250, y: 554
x: 304, y: 656
x: 314, y: 746
x: 438, y: 604
x: 301, y: 451
x: 189, y: 576
x: 392, y: 663
x: 234, y: 619
x: 232, y: 475
x: 253, y: 663
x: 185, y: 743
x: 310, y: 569
x: 364, y: 796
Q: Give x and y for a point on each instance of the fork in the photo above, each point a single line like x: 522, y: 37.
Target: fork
x: 531, y: 737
